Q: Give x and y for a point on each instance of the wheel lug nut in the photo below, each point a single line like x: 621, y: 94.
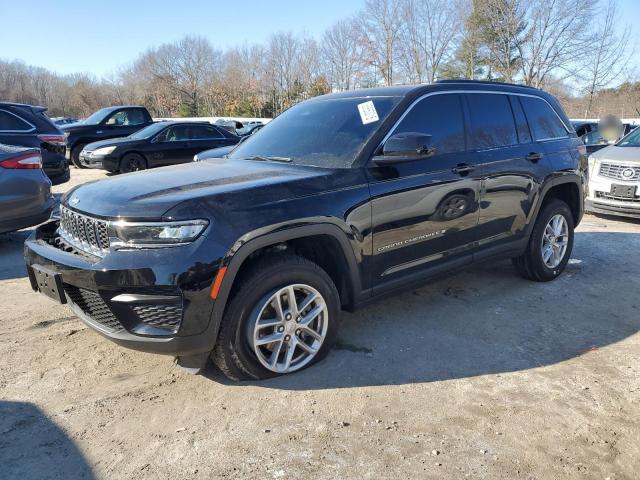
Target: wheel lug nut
x: 287, y: 338
x: 288, y: 316
x: 298, y: 332
x: 281, y: 328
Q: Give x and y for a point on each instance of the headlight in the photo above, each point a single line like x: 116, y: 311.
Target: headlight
x: 592, y: 162
x: 103, y: 151
x: 160, y: 234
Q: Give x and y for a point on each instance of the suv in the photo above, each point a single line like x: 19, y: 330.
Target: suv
x: 341, y: 199
x: 28, y: 126
x: 614, y: 178
x: 106, y: 123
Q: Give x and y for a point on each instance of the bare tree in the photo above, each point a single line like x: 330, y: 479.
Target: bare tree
x: 342, y: 55
x: 608, y: 58
x: 428, y: 37
x: 379, y: 27
x: 557, y: 34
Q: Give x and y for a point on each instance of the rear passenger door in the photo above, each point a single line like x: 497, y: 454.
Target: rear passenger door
x: 425, y: 211
x: 513, y: 168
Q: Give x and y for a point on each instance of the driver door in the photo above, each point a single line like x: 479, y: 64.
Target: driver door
x: 425, y: 210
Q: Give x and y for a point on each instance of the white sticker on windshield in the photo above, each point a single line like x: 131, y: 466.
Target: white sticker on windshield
x: 368, y: 112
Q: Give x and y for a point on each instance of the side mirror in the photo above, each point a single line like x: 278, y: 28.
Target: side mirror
x: 404, y: 147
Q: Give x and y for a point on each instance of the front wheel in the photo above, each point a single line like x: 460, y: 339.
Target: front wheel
x: 550, y: 244
x: 283, y: 317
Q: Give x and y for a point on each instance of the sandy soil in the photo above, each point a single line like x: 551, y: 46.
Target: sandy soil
x: 479, y: 375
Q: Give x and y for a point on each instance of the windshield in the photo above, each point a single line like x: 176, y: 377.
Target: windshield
x: 631, y: 140
x: 148, y: 132
x: 98, y: 116
x: 323, y: 133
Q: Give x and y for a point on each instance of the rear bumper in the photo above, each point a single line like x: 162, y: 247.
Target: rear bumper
x: 28, y: 221
x: 133, y: 299
x: 56, y: 167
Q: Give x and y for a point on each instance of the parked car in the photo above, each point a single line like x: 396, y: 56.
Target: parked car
x: 221, y: 152
x: 249, y: 129
x: 590, y: 134
x: 230, y: 125
x: 29, y: 126
x: 25, y: 191
x: 614, y: 178
x: 64, y: 120
x: 106, y: 123
x: 159, y: 144
x: 339, y: 200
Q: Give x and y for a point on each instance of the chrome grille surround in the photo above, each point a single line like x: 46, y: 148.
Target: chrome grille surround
x: 613, y: 170
x: 85, y: 233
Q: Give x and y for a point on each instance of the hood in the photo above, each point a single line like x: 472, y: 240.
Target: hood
x: 110, y: 142
x: 151, y: 193
x: 76, y: 127
x: 618, y: 154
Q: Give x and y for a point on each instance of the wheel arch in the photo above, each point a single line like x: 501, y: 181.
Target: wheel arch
x: 319, y: 243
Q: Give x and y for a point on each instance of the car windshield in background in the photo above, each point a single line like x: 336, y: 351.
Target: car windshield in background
x: 148, y: 132
x: 98, y: 116
x: 323, y: 133
x: 631, y: 140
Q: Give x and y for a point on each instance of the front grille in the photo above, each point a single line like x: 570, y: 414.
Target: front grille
x: 93, y: 306
x: 608, y: 196
x: 611, y: 170
x: 167, y: 316
x: 84, y: 233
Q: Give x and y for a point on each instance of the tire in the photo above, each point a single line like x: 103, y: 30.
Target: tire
x: 236, y: 353
x: 132, y: 162
x: 532, y: 265
x: 75, y: 155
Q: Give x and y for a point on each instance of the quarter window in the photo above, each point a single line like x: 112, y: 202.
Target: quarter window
x: 12, y: 123
x: 492, y: 123
x: 439, y: 116
x: 204, y: 133
x: 543, y: 120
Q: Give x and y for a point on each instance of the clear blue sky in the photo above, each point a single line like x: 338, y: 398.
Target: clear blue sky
x: 69, y: 36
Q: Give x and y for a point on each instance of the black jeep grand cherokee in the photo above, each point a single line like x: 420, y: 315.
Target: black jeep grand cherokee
x: 341, y: 199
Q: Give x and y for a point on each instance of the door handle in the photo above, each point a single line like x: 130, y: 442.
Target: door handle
x: 534, y: 156
x: 463, y: 169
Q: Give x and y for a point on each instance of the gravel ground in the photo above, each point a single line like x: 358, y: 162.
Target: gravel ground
x: 479, y: 375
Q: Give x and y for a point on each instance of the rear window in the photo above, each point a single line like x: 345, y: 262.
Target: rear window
x: 12, y: 123
x: 492, y: 123
x: 543, y: 120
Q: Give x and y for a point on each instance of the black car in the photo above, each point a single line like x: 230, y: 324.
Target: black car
x: 591, y: 136
x: 220, y: 152
x: 159, y: 144
x: 29, y: 126
x: 25, y: 191
x: 64, y: 120
x: 341, y: 199
x: 110, y: 122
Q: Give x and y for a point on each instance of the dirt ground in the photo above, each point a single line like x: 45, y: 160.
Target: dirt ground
x: 479, y: 375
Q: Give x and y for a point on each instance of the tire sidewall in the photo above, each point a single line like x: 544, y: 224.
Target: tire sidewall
x: 554, y: 208
x: 75, y: 155
x: 129, y: 156
x: 259, y: 289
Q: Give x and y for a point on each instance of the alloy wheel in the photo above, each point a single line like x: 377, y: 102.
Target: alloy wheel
x: 288, y: 328
x: 555, y: 241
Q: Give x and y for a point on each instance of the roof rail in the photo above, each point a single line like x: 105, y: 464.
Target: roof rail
x: 484, y: 82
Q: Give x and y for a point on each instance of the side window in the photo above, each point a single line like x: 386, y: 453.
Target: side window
x: 439, y: 116
x: 12, y: 123
x: 135, y: 116
x: 524, y: 134
x: 204, y: 133
x: 174, y: 134
x: 492, y: 123
x: 118, y: 118
x: 543, y: 120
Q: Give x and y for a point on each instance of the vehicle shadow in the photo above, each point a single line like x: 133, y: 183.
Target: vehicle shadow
x: 484, y: 321
x: 32, y: 446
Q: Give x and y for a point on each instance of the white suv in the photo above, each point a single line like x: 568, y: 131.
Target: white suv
x: 614, y: 178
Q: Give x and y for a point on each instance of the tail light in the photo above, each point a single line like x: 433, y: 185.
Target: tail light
x: 26, y: 161
x: 53, y: 139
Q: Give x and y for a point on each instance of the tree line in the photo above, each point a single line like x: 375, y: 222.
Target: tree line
x: 574, y: 48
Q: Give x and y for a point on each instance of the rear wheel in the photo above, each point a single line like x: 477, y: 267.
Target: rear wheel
x: 283, y: 317
x: 550, y: 245
x: 132, y: 162
x: 75, y: 155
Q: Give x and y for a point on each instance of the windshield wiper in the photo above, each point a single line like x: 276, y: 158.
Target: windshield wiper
x: 264, y: 158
